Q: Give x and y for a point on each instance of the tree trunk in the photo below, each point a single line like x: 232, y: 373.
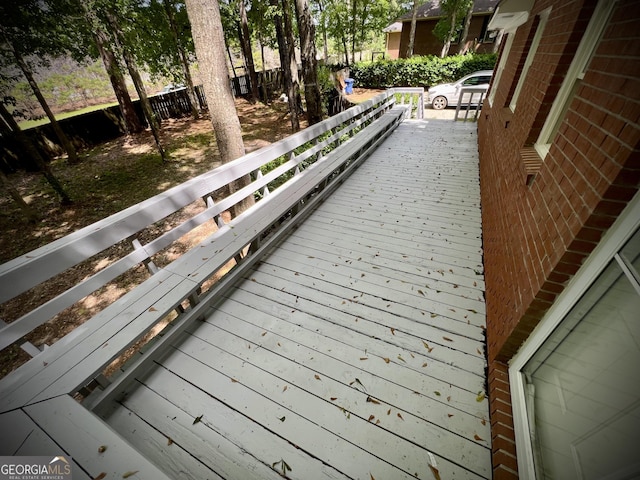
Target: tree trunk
x: 283, y: 52
x: 208, y: 39
x: 33, y: 152
x: 309, y: 62
x: 64, y: 140
x: 292, y: 65
x: 152, y: 119
x: 245, y: 42
x: 353, y: 29
x: 412, y: 31
x: 447, y: 42
x: 467, y: 23
x: 132, y: 123
x: 29, y: 213
x: 184, y: 61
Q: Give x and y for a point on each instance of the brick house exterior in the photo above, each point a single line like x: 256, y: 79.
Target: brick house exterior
x: 547, y: 207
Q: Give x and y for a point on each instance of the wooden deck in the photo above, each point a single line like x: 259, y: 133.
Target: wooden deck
x: 354, y: 350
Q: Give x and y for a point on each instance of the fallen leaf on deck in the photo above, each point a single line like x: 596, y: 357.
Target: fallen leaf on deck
x: 263, y: 334
x: 389, y: 412
x: 317, y: 377
x: 424, y: 364
x: 483, y: 421
x: 480, y: 397
x: 434, y: 315
x: 449, y: 415
x: 400, y: 416
x: 333, y: 399
x: 435, y: 472
x: 393, y: 330
x: 285, y: 388
x: 101, y: 476
x: 371, y: 417
x: 386, y: 360
x: 198, y: 419
x: 169, y: 440
x: 372, y: 477
x: 421, y: 292
x: 151, y: 309
x: 129, y: 474
x: 478, y: 438
x: 437, y: 393
x: 447, y: 339
x: 449, y: 398
x: 402, y: 359
x: 282, y: 419
x: 364, y: 358
x: 373, y: 400
x: 102, y: 449
x: 233, y: 380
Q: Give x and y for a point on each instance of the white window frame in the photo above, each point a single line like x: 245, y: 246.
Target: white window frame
x: 575, y: 74
x: 506, y: 50
x: 623, y: 228
x: 543, y: 17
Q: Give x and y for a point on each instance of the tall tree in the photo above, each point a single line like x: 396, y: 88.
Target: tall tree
x: 309, y: 62
x: 132, y: 123
x: 209, y: 44
x: 245, y: 42
x: 412, y: 30
x: 291, y: 64
x: 183, y: 53
x: 30, y: 28
x: 127, y: 55
x: 449, y: 24
x: 465, y: 31
x: 8, y: 126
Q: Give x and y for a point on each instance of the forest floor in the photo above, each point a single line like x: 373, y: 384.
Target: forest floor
x: 110, y: 178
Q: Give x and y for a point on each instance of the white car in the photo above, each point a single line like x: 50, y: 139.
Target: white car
x: 447, y: 94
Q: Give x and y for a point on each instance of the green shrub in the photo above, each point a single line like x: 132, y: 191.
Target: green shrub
x: 419, y: 71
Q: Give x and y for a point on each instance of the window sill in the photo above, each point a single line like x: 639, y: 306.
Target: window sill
x: 532, y: 162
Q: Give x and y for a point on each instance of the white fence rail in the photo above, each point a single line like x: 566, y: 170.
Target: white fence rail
x: 287, y: 178
x: 471, y: 98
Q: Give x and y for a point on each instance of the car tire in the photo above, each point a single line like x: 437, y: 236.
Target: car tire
x: 439, y: 103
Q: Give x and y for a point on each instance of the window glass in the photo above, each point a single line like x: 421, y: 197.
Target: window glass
x: 583, y: 384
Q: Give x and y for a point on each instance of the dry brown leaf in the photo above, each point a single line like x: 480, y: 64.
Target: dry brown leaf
x: 364, y: 358
x: 424, y: 364
x: 333, y: 399
x: 483, y: 421
x: 101, y: 476
x: 372, y: 477
x: 449, y: 398
x: 373, y: 400
x: 151, y: 309
x: 317, y: 377
x: 393, y: 330
x: 284, y: 389
x: 434, y: 315
x: 389, y: 412
x: 263, y: 334
x: 447, y: 339
x: 169, y: 440
x: 400, y: 416
x: 478, y: 438
x: 102, y: 448
x: 435, y: 472
x: 129, y: 474
x: 371, y: 417
x: 402, y: 359
x: 449, y: 415
x: 233, y: 380
x: 386, y: 360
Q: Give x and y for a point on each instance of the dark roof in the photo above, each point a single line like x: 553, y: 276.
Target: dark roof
x: 431, y: 9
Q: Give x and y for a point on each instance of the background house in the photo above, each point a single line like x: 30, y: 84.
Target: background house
x: 392, y: 40
x: 426, y: 43
x: 559, y: 141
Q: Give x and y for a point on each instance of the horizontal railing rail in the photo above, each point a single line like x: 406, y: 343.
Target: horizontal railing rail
x: 272, y: 167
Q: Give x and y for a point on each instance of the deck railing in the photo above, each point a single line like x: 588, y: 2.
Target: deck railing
x: 470, y: 98
x: 279, y: 185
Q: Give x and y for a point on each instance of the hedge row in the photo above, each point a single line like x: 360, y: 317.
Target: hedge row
x: 419, y: 71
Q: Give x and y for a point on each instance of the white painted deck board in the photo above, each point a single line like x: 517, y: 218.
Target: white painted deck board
x: 354, y: 350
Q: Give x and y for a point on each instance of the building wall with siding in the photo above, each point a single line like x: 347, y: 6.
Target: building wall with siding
x: 537, y: 234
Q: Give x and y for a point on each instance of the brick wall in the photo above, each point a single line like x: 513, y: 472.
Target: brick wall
x: 536, y: 236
